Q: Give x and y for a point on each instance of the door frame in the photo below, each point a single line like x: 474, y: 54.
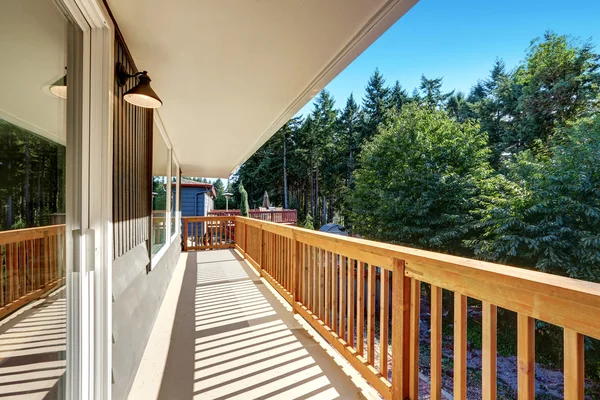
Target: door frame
x: 89, y: 274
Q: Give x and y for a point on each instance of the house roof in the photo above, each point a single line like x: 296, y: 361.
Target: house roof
x: 190, y: 183
x: 231, y: 73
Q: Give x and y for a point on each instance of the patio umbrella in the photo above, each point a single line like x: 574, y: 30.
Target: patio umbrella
x: 266, y: 203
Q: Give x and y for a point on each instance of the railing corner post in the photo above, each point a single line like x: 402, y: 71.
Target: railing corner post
x: 400, y: 331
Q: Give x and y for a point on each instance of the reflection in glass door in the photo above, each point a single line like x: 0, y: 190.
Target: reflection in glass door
x: 34, y: 38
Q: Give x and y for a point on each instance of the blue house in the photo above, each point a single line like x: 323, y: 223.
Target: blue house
x: 197, y: 198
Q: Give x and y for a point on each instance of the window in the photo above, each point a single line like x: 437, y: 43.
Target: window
x: 160, y: 187
x: 174, y: 195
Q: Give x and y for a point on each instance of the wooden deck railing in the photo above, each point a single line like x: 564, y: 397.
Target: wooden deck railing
x: 32, y: 262
x: 204, y: 233
x: 289, y: 217
x: 345, y: 288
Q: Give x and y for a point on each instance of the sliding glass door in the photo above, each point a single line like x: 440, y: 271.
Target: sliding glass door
x: 52, y: 341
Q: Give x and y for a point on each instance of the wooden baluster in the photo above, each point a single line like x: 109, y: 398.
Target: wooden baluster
x: 401, y: 287
x: 3, y: 273
x: 9, y: 274
x: 384, y: 321
x: 415, y: 330
x: 334, y: 292
x: 303, y: 271
x: 260, y: 248
x: 315, y: 284
x: 309, y: 279
x: 327, y: 267
x: 574, y: 365
x: 436, y: 342
x: 321, y: 284
x: 488, y: 350
x: 286, y: 264
x: 343, y: 284
x: 46, y: 259
x: 526, y: 357
x: 351, y: 303
x: 30, y: 266
x: 360, y: 308
x: 460, y: 346
x: 22, y: 270
x: 295, y: 280
x: 371, y: 314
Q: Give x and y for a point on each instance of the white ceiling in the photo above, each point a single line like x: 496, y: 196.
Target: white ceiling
x: 231, y: 72
x: 33, y: 47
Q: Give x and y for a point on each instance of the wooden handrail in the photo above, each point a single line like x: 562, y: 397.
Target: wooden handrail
x: 279, y: 216
x: 345, y: 287
x: 315, y: 272
x: 32, y: 262
x: 205, y: 233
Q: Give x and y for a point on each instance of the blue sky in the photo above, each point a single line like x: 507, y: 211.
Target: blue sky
x: 460, y: 40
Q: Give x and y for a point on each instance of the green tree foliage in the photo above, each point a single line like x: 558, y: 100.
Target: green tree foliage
x: 419, y: 179
x: 375, y: 106
x: 220, y: 200
x: 559, y: 81
x: 419, y: 188
x: 32, y: 178
x: 243, y: 201
x: 308, y: 222
x: 431, y: 90
x: 548, y: 216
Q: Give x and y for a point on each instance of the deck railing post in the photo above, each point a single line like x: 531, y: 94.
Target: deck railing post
x: 400, y: 331
x: 245, y: 239
x: 185, y: 235
x: 295, y: 255
x: 261, y: 247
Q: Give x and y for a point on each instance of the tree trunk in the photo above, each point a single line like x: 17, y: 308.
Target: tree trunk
x: 310, y: 183
x: 10, y: 220
x: 324, y: 220
x: 27, y: 167
x: 39, y: 194
x: 285, y: 187
x: 317, y: 210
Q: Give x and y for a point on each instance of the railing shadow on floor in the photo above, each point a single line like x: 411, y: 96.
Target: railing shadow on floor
x: 233, y: 339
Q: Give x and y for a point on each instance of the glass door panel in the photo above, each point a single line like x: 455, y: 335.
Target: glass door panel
x: 34, y: 44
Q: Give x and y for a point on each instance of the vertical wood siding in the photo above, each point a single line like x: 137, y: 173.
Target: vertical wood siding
x: 132, y: 164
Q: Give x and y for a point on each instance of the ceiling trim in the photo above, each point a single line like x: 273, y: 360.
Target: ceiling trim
x: 379, y: 23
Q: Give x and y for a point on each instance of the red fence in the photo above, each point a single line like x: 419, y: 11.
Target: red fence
x: 288, y: 217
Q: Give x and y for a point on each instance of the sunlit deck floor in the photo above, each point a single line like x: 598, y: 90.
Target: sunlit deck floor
x: 233, y: 338
x: 32, y: 350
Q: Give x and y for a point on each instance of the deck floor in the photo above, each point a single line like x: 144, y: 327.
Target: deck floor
x: 32, y: 350
x: 234, y: 338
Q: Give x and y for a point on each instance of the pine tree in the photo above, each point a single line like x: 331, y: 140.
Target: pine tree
x: 431, y: 90
x: 375, y: 106
x: 399, y: 96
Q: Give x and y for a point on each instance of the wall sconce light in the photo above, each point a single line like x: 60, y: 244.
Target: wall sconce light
x: 59, y: 88
x: 140, y: 95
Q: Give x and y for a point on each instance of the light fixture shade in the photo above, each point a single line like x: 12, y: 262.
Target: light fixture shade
x: 142, y: 95
x: 59, y: 88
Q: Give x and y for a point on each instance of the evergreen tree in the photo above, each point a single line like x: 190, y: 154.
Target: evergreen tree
x: 220, y: 200
x: 398, y: 96
x: 375, y: 106
x: 243, y: 201
x: 547, y: 215
x: 431, y: 90
x: 560, y: 82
